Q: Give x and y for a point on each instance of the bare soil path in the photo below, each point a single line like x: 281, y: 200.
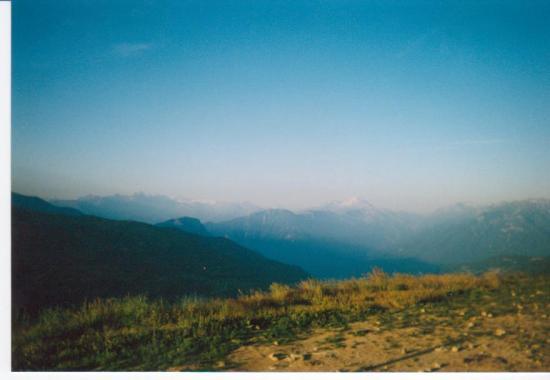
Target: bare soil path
x: 425, y: 341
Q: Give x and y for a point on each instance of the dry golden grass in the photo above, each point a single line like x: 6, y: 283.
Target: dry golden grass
x: 146, y: 334
x: 377, y: 290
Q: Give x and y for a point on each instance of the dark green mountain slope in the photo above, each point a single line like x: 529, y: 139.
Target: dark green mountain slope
x: 64, y: 259
x: 37, y: 204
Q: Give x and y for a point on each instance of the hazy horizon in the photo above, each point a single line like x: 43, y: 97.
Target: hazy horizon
x: 295, y: 104
x: 322, y: 205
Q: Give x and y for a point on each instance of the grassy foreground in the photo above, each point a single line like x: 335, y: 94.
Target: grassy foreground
x: 139, y: 334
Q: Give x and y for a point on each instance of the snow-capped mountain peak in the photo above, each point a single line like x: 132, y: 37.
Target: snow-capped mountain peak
x: 352, y: 204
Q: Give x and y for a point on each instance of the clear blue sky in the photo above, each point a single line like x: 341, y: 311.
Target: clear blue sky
x: 410, y: 105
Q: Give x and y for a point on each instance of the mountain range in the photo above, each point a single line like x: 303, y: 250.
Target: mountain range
x: 335, y: 240
x: 520, y: 228
x: 148, y: 208
x: 342, y: 239
x: 186, y: 224
x: 62, y: 257
x: 324, y: 243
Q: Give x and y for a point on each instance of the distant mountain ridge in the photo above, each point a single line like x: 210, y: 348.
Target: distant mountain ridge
x: 147, y: 208
x: 373, y: 228
x: 38, y: 204
x: 354, y: 232
x: 62, y: 258
x: 325, y: 243
x: 186, y: 224
x: 341, y: 238
x: 520, y: 228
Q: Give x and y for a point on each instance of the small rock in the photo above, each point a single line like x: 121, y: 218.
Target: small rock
x: 501, y: 360
x: 483, y: 313
x: 275, y: 343
x: 500, y: 332
x: 470, y: 325
x: 220, y: 364
x: 436, y: 365
x: 455, y: 349
x: 277, y: 356
x: 439, y: 349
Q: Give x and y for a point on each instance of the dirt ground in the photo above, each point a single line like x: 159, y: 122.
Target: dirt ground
x: 483, y: 342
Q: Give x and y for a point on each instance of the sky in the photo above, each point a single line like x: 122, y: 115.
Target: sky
x: 410, y: 105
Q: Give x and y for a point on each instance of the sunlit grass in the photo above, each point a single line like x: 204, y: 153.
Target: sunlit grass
x: 136, y: 333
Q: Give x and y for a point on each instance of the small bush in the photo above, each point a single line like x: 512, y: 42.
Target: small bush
x: 378, y: 280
